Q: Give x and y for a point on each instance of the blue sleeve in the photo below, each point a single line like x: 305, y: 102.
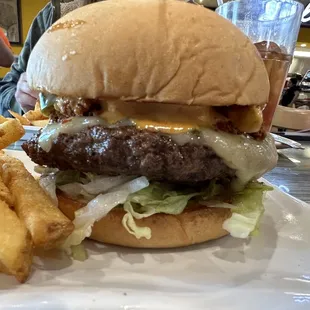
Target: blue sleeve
x: 8, y: 85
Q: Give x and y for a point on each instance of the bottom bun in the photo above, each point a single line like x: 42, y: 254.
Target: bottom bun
x: 195, y: 225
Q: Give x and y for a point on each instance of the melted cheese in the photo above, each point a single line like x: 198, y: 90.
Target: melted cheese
x: 173, y: 118
x: 74, y: 125
x: 170, y: 128
x: 250, y: 158
x: 161, y: 126
x: 166, y: 118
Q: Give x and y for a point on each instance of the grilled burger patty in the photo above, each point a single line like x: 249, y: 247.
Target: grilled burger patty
x: 130, y: 151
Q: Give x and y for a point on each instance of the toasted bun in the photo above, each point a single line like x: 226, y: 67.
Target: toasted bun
x: 151, y: 51
x: 195, y: 225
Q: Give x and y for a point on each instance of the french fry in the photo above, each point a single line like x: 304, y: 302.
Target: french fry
x: 21, y: 119
x: 41, y: 123
x: 2, y: 119
x: 5, y: 194
x: 48, y: 226
x: 16, y: 249
x: 11, y: 130
x: 37, y: 107
x: 34, y: 115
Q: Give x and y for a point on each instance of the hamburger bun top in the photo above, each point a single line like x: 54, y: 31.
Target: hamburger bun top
x: 151, y: 51
x: 194, y: 225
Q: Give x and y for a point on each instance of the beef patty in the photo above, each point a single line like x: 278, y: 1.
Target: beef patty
x: 129, y: 151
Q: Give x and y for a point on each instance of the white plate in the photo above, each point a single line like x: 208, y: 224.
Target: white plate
x: 271, y: 271
x: 29, y: 131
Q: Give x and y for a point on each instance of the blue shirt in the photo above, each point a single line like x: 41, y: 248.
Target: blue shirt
x: 8, y: 85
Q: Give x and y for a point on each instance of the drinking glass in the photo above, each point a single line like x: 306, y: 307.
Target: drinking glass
x: 273, y: 26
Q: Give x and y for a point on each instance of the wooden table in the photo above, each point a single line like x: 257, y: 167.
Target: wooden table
x: 290, y: 178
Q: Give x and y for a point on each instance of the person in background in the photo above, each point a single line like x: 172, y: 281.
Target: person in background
x: 6, y: 55
x: 15, y: 93
x: 291, y: 93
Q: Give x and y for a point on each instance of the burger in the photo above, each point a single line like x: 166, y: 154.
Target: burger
x: 155, y: 136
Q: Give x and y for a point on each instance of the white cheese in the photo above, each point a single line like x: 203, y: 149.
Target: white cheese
x: 249, y: 157
x: 74, y: 125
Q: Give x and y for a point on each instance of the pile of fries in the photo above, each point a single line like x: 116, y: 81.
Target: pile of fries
x: 29, y: 219
x: 32, y: 118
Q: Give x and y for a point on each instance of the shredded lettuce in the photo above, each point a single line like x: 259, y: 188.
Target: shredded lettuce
x: 141, y: 200
x: 156, y: 198
x: 76, y: 190
x: 246, y: 205
x: 79, y: 185
x: 66, y: 177
x: 48, y: 183
x: 52, y: 178
x: 131, y: 226
x: 99, y: 207
x: 248, y: 208
x: 44, y: 170
x: 79, y: 252
x: 96, y: 186
x: 160, y: 198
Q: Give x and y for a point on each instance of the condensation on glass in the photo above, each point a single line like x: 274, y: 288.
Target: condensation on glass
x: 273, y: 26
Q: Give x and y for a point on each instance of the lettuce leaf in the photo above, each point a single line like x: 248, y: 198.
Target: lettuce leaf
x: 141, y: 199
x: 130, y: 225
x: 66, y: 177
x: 246, y: 205
x: 99, y: 207
x: 247, y: 210
x: 156, y: 198
x: 48, y: 183
x: 76, y: 184
x: 79, y: 252
x: 161, y: 198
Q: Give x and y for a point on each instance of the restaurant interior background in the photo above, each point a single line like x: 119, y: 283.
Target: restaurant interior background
x: 300, y: 64
x: 29, y: 9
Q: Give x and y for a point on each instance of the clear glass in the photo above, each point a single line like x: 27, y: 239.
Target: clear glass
x: 273, y: 26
